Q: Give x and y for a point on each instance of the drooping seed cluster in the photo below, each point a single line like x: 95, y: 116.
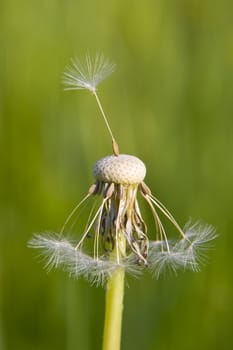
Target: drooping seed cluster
x: 120, y: 237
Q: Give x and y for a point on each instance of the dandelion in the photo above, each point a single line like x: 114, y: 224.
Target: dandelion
x: 115, y: 239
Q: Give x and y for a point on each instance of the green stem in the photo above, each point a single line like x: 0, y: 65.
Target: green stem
x: 114, y: 301
x: 113, y: 311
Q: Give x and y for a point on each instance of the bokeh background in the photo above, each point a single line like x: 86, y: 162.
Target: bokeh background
x: 170, y: 103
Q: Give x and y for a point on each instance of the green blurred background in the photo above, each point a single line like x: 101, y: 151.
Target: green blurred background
x: 170, y: 103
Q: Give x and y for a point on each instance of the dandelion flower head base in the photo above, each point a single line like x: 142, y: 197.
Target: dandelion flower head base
x: 117, y: 225
x: 124, y: 169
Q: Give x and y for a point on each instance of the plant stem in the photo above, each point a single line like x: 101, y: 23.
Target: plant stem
x: 114, y: 301
x: 113, y: 310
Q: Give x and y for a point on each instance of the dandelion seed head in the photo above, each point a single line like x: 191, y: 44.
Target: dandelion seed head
x: 122, y: 169
x: 87, y: 74
x: 117, y: 234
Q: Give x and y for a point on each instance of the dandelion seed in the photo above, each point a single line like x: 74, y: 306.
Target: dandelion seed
x: 87, y: 76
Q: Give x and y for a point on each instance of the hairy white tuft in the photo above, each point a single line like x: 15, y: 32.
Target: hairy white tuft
x: 60, y: 253
x: 53, y: 248
x: 87, y: 74
x: 198, y: 239
x: 162, y: 260
x: 186, y: 253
